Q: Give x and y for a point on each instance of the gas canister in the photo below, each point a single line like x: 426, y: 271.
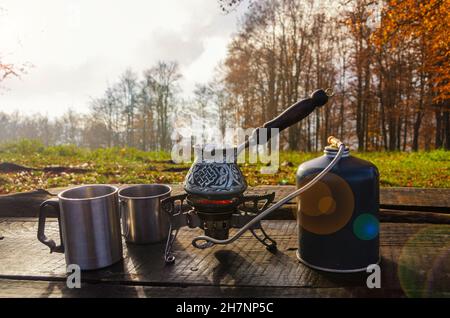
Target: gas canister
x: 337, y: 218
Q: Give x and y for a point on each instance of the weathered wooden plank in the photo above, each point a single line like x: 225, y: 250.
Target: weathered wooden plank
x: 57, y: 289
x: 401, y: 216
x: 415, y: 199
x: 22, y: 204
x: 410, y: 199
x: 415, y: 261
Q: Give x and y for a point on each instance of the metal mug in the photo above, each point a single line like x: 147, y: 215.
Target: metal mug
x: 143, y: 221
x: 89, y: 226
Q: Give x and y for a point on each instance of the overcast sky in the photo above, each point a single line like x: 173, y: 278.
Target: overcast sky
x: 77, y: 47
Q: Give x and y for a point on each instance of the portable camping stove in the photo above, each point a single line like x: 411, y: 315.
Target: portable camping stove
x: 215, y: 187
x: 215, y: 217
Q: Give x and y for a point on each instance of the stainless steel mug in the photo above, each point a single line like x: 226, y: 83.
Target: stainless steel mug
x: 89, y: 226
x: 143, y: 221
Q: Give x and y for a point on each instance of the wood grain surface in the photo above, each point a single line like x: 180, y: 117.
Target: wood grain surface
x: 415, y: 263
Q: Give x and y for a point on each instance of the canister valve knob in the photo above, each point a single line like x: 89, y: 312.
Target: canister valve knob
x: 334, y: 142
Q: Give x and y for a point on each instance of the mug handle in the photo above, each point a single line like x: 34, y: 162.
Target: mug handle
x: 125, y: 219
x: 54, y: 203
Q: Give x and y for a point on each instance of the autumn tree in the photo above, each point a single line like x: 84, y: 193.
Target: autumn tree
x: 427, y: 22
x: 281, y: 53
x: 162, y: 80
x: 10, y: 69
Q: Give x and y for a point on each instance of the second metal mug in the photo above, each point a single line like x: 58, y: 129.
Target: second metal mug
x: 143, y: 221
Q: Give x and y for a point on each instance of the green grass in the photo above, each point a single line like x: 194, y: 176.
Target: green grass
x: 430, y: 169
x: 129, y: 165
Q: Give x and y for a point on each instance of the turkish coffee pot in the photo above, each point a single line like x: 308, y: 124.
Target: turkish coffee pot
x: 213, y: 186
x: 215, y: 173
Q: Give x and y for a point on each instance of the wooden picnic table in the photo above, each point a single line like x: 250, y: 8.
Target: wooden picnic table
x: 414, y: 243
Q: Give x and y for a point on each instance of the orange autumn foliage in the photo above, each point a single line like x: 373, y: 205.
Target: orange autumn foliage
x: 405, y: 20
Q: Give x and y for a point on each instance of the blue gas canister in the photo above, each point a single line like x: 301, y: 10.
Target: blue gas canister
x: 338, y: 221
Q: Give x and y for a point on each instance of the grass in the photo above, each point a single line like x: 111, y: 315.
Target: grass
x: 129, y: 165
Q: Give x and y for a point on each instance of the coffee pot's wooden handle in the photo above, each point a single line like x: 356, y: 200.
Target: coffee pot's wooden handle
x: 291, y: 116
x: 298, y: 111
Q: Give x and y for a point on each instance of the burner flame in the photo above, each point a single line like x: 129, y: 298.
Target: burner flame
x: 215, y: 202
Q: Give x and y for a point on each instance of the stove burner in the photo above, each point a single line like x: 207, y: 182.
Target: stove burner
x: 215, y: 202
x: 215, y: 217
x: 213, y: 205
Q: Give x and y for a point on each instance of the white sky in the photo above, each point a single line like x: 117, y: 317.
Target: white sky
x: 77, y: 47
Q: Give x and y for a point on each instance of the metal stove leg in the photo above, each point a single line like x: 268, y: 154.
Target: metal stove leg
x: 258, y: 231
x: 266, y: 240
x: 168, y: 206
x: 168, y: 254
